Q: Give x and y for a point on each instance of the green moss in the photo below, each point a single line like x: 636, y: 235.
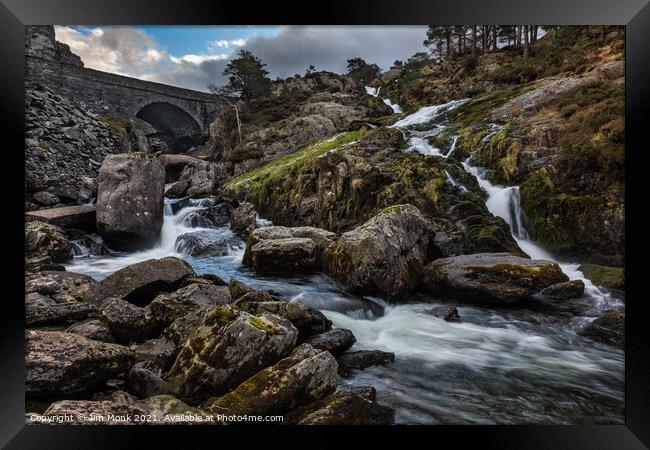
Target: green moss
x: 222, y: 315
x: 261, y: 325
x: 605, y: 276
x: 141, y: 154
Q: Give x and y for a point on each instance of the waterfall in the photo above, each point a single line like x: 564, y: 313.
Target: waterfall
x: 375, y: 93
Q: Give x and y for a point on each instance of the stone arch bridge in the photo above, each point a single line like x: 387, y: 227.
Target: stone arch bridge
x: 174, y: 117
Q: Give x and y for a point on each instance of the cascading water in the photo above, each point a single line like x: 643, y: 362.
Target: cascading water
x: 498, y: 365
x: 375, y: 93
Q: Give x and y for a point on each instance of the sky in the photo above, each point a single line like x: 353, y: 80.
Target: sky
x: 195, y: 56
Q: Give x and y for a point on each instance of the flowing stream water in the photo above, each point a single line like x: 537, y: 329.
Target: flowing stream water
x: 505, y: 365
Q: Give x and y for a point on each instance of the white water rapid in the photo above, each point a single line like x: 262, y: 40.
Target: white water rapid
x: 498, y: 365
x: 375, y: 93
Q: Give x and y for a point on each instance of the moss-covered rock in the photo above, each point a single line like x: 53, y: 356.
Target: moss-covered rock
x: 605, y: 276
x: 228, y: 347
x: 305, y: 376
x: 498, y: 277
x: 342, y: 408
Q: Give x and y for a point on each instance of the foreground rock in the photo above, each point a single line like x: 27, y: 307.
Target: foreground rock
x: 141, y: 282
x: 362, y: 360
x: 42, y: 310
x: 335, y: 341
x: 564, y: 291
x: 60, y: 285
x: 605, y: 276
x: 308, y: 321
x: 490, y: 277
x: 127, y: 322
x: 46, y: 240
x: 81, y: 217
x: 58, y: 363
x: 130, y: 194
x: 305, y: 376
x: 166, y: 308
x: 286, y: 250
x: 384, y: 256
x: 342, y: 408
x: 228, y: 347
x: 608, y: 328
x: 143, y: 382
x: 92, y: 329
x: 198, y: 179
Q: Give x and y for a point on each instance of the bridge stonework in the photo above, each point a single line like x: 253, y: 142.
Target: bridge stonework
x: 53, y: 64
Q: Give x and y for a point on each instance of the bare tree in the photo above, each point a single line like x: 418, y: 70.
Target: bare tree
x: 474, y: 40
x: 525, y: 42
x: 221, y: 92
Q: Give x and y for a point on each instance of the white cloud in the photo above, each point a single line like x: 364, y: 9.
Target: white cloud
x: 197, y: 59
x: 228, y: 43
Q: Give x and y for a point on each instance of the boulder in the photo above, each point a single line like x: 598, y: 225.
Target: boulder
x: 237, y: 289
x: 384, y: 256
x: 206, y: 243
x: 451, y: 315
x: 209, y: 214
x: 279, y: 249
x: 81, y: 217
x: 605, y: 276
x: 161, y: 351
x: 90, y: 412
x: 58, y: 363
x: 308, y: 321
x: 139, y: 283
x: 305, y: 376
x: 143, y: 383
x: 43, y: 310
x: 609, y: 328
x: 166, y: 308
x: 45, y: 198
x: 565, y: 290
x: 342, y: 408
x: 243, y: 220
x: 92, y: 329
x: 41, y: 263
x: 198, y: 179
x: 127, y: 322
x: 60, y: 285
x: 174, y: 165
x: 228, y: 347
x: 43, y: 239
x: 335, y: 341
x: 340, y: 115
x: 130, y: 195
x: 168, y: 410
x: 490, y: 277
x: 362, y: 359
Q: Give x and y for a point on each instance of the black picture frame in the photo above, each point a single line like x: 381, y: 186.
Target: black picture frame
x: 14, y: 14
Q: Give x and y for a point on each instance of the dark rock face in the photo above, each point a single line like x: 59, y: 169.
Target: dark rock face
x: 308, y: 321
x: 206, y: 243
x: 140, y: 283
x: 243, y: 220
x: 608, y: 328
x: 335, y: 341
x: 79, y: 217
x: 130, y: 191
x: 161, y: 351
x: 43, y: 239
x: 384, y: 256
x: 127, y: 322
x: 228, y: 347
x: 303, y: 377
x: 166, y: 308
x: 58, y: 363
x: 452, y: 315
x: 92, y: 329
x: 174, y: 165
x: 144, y: 383
x: 363, y: 359
x: 490, y: 277
x: 564, y: 291
x: 342, y: 408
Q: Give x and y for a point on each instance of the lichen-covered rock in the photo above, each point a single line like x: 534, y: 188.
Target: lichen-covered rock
x: 490, y: 277
x: 198, y: 179
x: 237, y: 289
x: 103, y: 412
x: 308, y: 321
x: 92, y: 329
x: 166, y: 308
x: 608, y: 328
x: 384, y: 256
x: 283, y: 256
x: 363, y: 359
x: 139, y: 283
x: 168, y: 410
x: 605, y: 276
x: 228, y: 347
x: 342, y: 408
x: 305, y: 376
x: 335, y: 341
x: 161, y: 351
x: 340, y: 115
x: 43, y: 310
x: 564, y: 291
x: 58, y: 363
x: 128, y: 322
x: 43, y: 239
x: 60, y: 285
x: 130, y: 192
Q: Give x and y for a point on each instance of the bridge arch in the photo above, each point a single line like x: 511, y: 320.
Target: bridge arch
x: 176, y: 131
